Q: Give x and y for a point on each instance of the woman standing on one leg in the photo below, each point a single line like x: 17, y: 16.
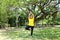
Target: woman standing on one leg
x: 30, y: 23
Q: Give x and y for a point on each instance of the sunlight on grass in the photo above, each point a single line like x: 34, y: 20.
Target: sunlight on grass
x: 39, y: 34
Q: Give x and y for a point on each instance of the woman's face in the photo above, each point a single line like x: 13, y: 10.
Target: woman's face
x: 31, y: 16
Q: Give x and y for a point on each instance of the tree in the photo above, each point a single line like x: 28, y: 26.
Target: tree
x: 41, y: 8
x: 3, y: 12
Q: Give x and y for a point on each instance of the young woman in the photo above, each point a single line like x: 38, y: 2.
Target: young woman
x: 30, y: 22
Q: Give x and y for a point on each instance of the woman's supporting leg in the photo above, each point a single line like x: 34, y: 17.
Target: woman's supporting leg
x: 32, y: 30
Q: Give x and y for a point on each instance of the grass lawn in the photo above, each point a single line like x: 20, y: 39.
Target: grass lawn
x: 51, y: 33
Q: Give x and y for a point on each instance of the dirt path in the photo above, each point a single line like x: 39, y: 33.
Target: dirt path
x: 2, y: 37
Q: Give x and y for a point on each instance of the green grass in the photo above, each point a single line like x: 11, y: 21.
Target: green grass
x: 39, y: 33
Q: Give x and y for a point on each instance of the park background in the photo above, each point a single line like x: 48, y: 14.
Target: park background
x: 14, y: 18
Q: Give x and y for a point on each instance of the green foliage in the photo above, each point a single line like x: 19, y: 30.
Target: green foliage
x: 23, y: 6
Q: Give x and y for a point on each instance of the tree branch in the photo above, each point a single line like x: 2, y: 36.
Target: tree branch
x: 48, y: 3
x: 23, y: 10
x: 57, y: 4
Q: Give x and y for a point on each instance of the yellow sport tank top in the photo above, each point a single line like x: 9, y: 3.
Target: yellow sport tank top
x: 31, y: 21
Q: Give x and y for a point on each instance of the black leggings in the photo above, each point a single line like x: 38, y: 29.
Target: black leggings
x: 28, y: 28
